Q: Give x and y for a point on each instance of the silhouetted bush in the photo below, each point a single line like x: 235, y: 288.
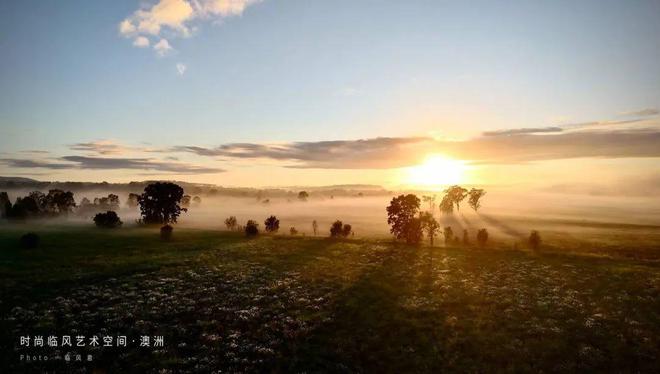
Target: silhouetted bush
x: 534, y: 240
x: 29, y: 241
x: 108, y: 219
x: 231, y: 222
x: 482, y: 237
x: 166, y: 232
x: 251, y: 228
x: 340, y: 230
x: 293, y: 231
x: 272, y: 224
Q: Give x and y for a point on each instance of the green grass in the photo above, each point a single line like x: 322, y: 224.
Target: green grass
x: 318, y: 305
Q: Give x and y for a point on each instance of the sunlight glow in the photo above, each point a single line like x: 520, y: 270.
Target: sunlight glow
x: 437, y: 171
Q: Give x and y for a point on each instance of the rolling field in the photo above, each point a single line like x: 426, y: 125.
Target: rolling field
x: 282, y: 304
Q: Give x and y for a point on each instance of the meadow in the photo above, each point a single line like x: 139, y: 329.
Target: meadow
x: 313, y: 304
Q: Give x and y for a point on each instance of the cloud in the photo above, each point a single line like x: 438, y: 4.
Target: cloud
x: 648, y: 112
x: 533, y: 130
x: 102, y: 147
x: 141, y: 42
x: 384, y: 153
x: 178, y: 17
x: 101, y: 163
x: 162, y: 47
x: 19, y: 163
x: 181, y: 68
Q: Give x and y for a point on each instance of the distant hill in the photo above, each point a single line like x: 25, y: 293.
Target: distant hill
x: 17, y: 180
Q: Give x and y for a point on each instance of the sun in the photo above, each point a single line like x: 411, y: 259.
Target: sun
x: 437, y: 171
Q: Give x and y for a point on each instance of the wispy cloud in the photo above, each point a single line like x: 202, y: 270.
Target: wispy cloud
x: 529, y: 130
x: 176, y: 18
x: 647, y: 112
x: 102, y: 163
x: 102, y: 147
x: 162, y: 47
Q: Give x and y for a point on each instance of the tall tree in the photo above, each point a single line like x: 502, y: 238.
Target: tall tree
x: 475, y: 198
x: 456, y: 195
x: 400, y: 216
x: 429, y: 225
x: 272, y: 224
x: 160, y: 203
x: 303, y: 195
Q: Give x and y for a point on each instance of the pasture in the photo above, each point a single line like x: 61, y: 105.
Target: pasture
x: 312, y: 304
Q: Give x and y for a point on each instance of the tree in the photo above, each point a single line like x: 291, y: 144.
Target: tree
x: 315, y: 227
x: 303, y: 195
x: 400, y: 214
x: 251, y: 228
x: 336, y: 229
x: 272, y: 224
x: 456, y: 194
x: 160, y: 203
x: 24, y: 207
x: 414, y: 231
x: 430, y: 199
x: 448, y: 234
x: 113, y: 201
x: 466, y: 239
x: 475, y: 196
x: 446, y: 205
x: 482, y: 237
x: 429, y: 225
x: 231, y: 223
x: 41, y: 200
x: 534, y: 240
x: 197, y: 200
x: 109, y: 219
x: 185, y: 201
x: 293, y: 231
x: 132, y: 200
x: 5, y: 205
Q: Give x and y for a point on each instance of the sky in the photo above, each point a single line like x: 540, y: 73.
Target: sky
x: 276, y: 93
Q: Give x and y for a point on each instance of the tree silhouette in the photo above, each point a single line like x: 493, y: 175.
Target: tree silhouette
x: 466, y: 239
x: 534, y: 240
x: 231, y: 222
x: 108, y: 219
x: 400, y: 216
x: 475, y: 196
x: 5, y: 205
x: 185, y: 201
x: 315, y: 227
x: 446, y: 205
x: 429, y: 225
x: 293, y: 231
x: 160, y: 203
x: 346, y: 230
x: 303, y: 195
x: 482, y: 237
x: 251, y: 228
x: 272, y: 224
x: 197, y: 200
x: 339, y: 229
x: 430, y: 199
x: 448, y: 234
x: 456, y: 194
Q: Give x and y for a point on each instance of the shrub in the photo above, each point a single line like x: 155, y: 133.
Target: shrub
x: 293, y: 231
x: 29, y: 241
x: 346, y: 230
x: 449, y: 234
x: 166, y: 232
x: 108, y: 219
x: 231, y: 223
x: 251, y: 228
x: 534, y: 240
x: 482, y: 236
x: 336, y: 229
x: 272, y: 224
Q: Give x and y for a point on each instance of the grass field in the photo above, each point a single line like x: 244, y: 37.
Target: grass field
x: 277, y: 303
